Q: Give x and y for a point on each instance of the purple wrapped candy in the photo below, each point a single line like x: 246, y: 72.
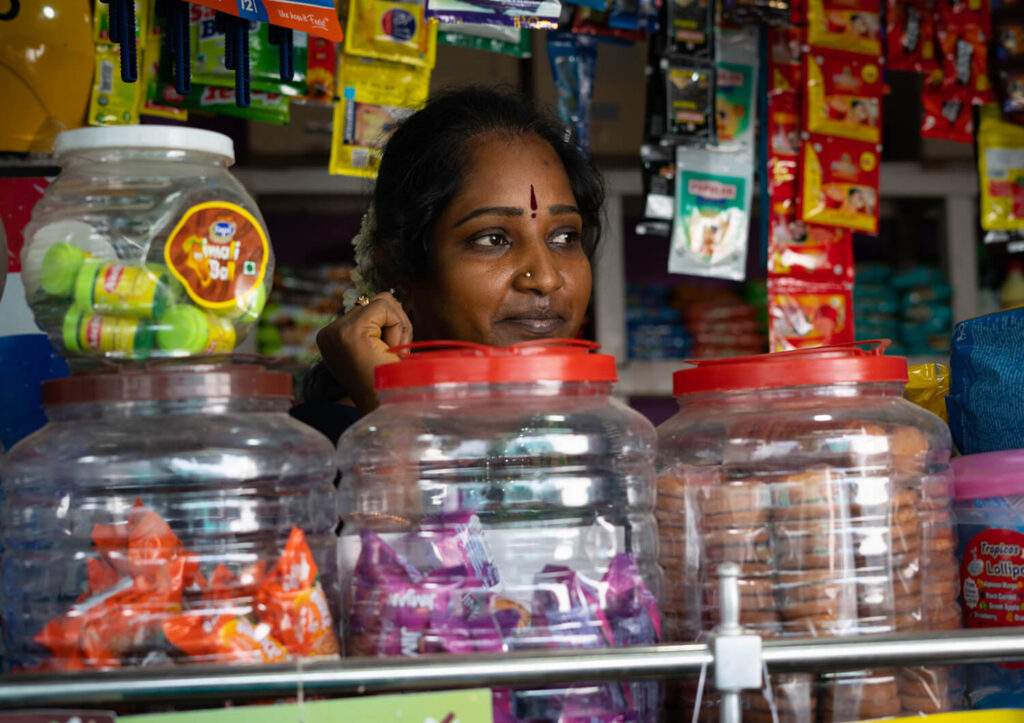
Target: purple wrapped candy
x: 567, y: 609
x: 379, y: 570
x: 452, y: 539
x: 630, y: 606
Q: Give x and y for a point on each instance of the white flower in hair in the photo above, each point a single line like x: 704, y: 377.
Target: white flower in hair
x: 364, y: 273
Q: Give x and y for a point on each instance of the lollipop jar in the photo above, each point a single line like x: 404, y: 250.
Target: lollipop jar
x: 500, y: 499
x: 168, y: 514
x: 145, y: 246
x: 832, y: 493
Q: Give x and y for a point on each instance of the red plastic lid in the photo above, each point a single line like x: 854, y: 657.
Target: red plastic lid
x: 803, y: 367
x: 428, y: 363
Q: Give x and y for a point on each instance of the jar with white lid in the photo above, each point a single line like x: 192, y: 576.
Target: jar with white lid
x: 145, y: 245
x: 832, y: 493
x: 501, y: 499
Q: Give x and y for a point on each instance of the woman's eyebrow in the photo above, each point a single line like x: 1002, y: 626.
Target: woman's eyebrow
x: 491, y: 211
x: 563, y: 210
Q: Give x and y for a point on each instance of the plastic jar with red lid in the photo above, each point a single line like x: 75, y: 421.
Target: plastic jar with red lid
x: 168, y: 514
x: 501, y: 499
x: 832, y: 492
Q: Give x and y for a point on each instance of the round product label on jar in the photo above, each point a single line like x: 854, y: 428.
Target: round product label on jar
x: 219, y: 252
x: 992, y: 575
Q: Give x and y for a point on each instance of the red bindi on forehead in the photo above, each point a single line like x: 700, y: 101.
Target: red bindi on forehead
x: 533, y: 203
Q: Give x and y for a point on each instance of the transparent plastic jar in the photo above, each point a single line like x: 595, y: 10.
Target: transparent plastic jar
x: 832, y: 492
x: 168, y: 514
x: 500, y: 499
x: 146, y: 246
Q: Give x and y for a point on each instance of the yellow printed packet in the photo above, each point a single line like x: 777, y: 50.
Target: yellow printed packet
x: 1001, y: 170
x: 154, y: 100
x: 375, y: 97
x: 394, y: 31
x: 927, y: 386
x: 112, y: 101
x: 101, y: 22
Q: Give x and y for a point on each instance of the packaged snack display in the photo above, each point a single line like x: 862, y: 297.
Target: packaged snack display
x: 784, y: 60
x: 1000, y: 169
x: 505, y: 40
x: 809, y: 253
x: 844, y: 95
x: 910, y: 35
x: 713, y: 196
x: 113, y: 101
x: 806, y: 314
x: 321, y: 70
x: 160, y: 551
x: 659, y: 167
x: 689, y: 101
x: 537, y: 14
x: 832, y: 493
x: 948, y: 113
x: 987, y: 370
x: 850, y: 25
x: 500, y: 499
x: 375, y: 96
x: 691, y: 28
x: 989, y: 502
x: 927, y: 387
x: 104, y: 278
x: 839, y: 184
x: 394, y: 31
x: 735, y: 100
x: 963, y: 39
x: 572, y: 59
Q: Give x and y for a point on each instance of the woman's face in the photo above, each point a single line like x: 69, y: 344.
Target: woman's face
x: 507, y: 262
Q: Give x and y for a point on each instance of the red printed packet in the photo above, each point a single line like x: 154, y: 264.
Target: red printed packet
x: 844, y: 95
x: 850, y: 25
x: 786, y: 73
x: 804, y: 315
x: 321, y: 70
x: 819, y: 254
x: 963, y: 39
x: 293, y: 600
x: 839, y: 184
x: 910, y: 36
x: 783, y: 156
x: 947, y: 115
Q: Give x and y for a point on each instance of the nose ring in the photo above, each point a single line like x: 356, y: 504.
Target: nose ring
x: 528, y: 274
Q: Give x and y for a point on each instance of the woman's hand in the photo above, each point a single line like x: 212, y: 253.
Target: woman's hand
x: 354, y: 345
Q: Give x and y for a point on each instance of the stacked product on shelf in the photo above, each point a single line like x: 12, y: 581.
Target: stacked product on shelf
x: 911, y: 308
x: 654, y: 328
x: 832, y: 493
x: 500, y: 499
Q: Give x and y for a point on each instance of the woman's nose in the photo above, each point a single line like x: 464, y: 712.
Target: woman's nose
x: 538, y: 271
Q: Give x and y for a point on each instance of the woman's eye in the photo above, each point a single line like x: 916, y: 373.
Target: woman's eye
x: 566, y: 238
x: 491, y: 240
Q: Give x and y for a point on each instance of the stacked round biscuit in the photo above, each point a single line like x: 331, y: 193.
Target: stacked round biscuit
x: 837, y: 530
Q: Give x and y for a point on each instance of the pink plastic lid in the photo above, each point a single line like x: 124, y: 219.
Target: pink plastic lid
x: 990, y: 474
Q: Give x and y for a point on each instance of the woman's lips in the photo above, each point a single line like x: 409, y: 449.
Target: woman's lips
x: 539, y: 323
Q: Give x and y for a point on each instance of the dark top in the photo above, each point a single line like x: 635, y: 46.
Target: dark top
x: 329, y: 418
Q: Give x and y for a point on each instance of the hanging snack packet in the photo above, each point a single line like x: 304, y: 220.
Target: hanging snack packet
x: 659, y: 169
x: 804, y: 315
x: 691, y: 28
x: 266, y: 107
x: 735, y: 107
x: 756, y: 12
x: 844, y: 95
x: 539, y: 14
x: 910, y: 35
x: 851, y: 25
x: 209, y: 65
x: 783, y: 148
x: 597, y: 23
x: 375, y: 96
x: 840, y: 183
x: 321, y: 70
x: 822, y: 255
x: 156, y: 56
x: 948, y: 115
x: 964, y: 42
x: 394, y: 31
x: 1001, y: 170
x: 713, y: 196
x: 689, y: 100
x: 516, y: 42
x: 784, y: 60
x: 113, y: 102
x: 624, y: 14
x: 572, y: 59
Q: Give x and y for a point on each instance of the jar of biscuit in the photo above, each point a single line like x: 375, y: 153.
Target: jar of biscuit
x: 832, y: 493
x: 145, y: 246
x: 168, y: 514
x: 500, y: 499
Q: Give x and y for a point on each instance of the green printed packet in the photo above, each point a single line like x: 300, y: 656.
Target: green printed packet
x: 521, y: 49
x: 264, y: 59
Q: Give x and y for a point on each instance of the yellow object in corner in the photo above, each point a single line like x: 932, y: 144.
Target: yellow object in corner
x: 927, y: 386
x: 973, y: 716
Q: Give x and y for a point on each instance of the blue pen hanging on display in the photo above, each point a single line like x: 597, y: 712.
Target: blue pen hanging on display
x: 236, y: 55
x: 122, y: 27
x: 178, y: 14
x: 283, y: 38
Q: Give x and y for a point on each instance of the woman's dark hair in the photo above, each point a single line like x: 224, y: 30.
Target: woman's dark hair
x: 422, y: 168
x: 427, y: 156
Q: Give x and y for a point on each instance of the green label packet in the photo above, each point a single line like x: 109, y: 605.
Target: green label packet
x: 264, y: 59
x: 463, y: 706
x: 521, y: 49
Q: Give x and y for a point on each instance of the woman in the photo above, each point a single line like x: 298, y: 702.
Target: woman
x: 482, y: 225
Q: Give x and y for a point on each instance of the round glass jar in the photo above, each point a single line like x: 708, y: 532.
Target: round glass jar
x: 832, y: 492
x: 501, y: 499
x: 146, y: 246
x: 168, y: 513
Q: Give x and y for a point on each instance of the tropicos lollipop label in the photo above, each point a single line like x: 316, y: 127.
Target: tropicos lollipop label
x: 219, y: 252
